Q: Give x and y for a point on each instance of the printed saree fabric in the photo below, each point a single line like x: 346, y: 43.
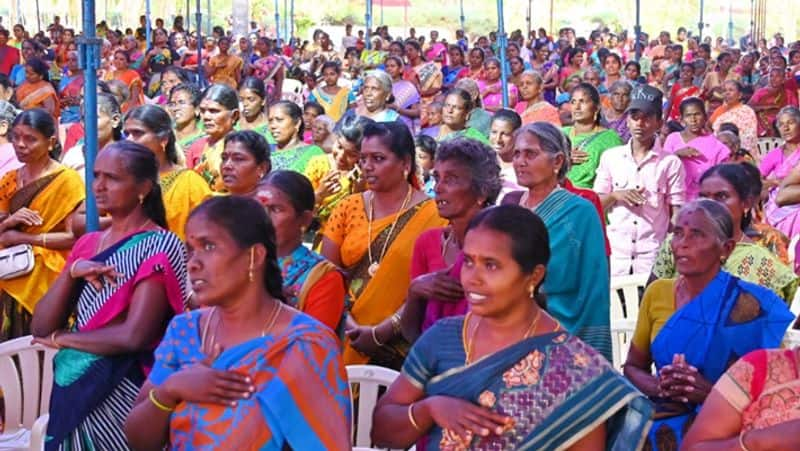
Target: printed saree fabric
x: 310, y: 161
x: 376, y: 297
x: 182, y: 190
x: 764, y: 386
x: 54, y: 197
x: 93, y: 394
x: 302, y: 398
x: 555, y: 387
x: 729, y: 319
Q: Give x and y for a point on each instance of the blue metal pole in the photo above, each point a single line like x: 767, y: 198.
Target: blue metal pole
x: 148, y: 30
x: 198, y: 14
x: 89, y: 51
x: 368, y: 20
x: 277, y: 25
x: 637, y: 30
x: 502, y: 45
x: 291, y: 30
x: 286, y: 22
x: 462, y: 15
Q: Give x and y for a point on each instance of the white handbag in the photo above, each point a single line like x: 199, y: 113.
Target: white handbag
x: 16, y: 261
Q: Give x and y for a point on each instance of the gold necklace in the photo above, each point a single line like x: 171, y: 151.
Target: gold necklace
x: 210, y: 345
x: 375, y: 265
x: 468, y: 344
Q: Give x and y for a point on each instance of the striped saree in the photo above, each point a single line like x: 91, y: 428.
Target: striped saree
x: 556, y: 388
x: 93, y: 394
x: 302, y: 398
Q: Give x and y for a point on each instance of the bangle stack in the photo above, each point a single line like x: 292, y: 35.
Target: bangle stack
x: 396, y: 328
x: 157, y: 403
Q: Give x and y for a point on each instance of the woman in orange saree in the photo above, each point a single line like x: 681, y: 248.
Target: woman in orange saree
x: 36, y: 91
x: 371, y: 235
x: 131, y: 79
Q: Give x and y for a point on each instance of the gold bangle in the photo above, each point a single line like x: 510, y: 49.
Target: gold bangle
x: 53, y: 340
x: 375, y: 337
x: 741, y: 442
x: 411, y: 417
x: 72, y: 267
x: 157, y: 403
x: 44, y: 240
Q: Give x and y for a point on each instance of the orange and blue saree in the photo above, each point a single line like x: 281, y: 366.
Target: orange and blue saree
x: 302, y: 398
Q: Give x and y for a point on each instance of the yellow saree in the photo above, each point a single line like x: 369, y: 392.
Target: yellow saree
x: 55, y: 198
x: 377, y: 297
x: 182, y: 191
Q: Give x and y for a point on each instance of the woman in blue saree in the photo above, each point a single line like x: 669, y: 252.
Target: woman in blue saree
x: 694, y: 327
x: 121, y: 286
x: 506, y: 375
x: 577, y: 286
x: 247, y: 371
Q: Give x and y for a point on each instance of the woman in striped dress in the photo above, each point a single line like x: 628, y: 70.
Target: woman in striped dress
x: 122, y: 286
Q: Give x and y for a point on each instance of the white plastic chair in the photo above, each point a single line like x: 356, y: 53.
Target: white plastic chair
x: 26, y: 379
x: 370, y: 379
x: 292, y: 91
x: 623, y: 320
x: 765, y: 145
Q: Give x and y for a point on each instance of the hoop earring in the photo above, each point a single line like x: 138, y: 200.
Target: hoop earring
x: 252, y: 262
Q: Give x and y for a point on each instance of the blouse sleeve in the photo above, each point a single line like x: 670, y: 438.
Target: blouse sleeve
x: 419, y: 364
x: 738, y: 384
x: 644, y: 322
x: 325, y: 300
x: 335, y: 226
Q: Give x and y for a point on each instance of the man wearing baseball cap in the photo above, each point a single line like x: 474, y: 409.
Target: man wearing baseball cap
x: 640, y: 187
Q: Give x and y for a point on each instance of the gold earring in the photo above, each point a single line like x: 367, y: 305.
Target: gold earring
x: 252, y: 262
x: 532, y: 292
x: 141, y: 199
x: 405, y: 173
x: 302, y: 229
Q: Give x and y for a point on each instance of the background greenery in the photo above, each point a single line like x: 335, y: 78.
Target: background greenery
x: 481, y: 15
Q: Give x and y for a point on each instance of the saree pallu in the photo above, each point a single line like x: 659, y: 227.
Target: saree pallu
x: 302, y: 398
x: 776, y: 165
x: 262, y: 130
x: 677, y: 95
x: 206, y: 160
x: 132, y: 81
x: 556, y: 389
x: 92, y: 394
x: 764, y: 387
x: 182, y: 190
x: 430, y: 77
x: 594, y: 144
x: 334, y: 105
x: 451, y: 75
x: 774, y: 102
x: 55, y: 197
x: 743, y: 117
x: 405, y: 96
x: 226, y: 75
x: 184, y: 144
x: 377, y: 297
x: 540, y: 111
x: 578, y: 298
x: 309, y: 160
x: 71, y: 87
x: 468, y: 132
x: 619, y: 125
x: 301, y: 270
x: 494, y: 101
x: 729, y: 319
x: 33, y: 95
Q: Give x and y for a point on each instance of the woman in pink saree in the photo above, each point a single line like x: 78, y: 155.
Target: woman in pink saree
x: 491, y: 87
x: 776, y: 165
x: 768, y: 101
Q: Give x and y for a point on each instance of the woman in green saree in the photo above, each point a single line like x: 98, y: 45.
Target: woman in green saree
x: 286, y: 125
x: 506, y: 375
x: 455, y: 113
